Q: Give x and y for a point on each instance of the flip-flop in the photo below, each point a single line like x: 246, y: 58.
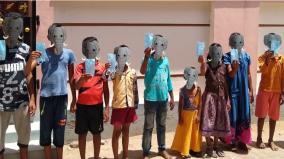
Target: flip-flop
x: 273, y: 146
x: 260, y: 144
x: 211, y: 153
x: 219, y: 152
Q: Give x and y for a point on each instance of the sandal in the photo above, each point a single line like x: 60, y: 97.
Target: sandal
x: 260, y: 144
x: 243, y: 147
x: 185, y: 157
x: 272, y: 145
x: 219, y: 152
x: 211, y: 153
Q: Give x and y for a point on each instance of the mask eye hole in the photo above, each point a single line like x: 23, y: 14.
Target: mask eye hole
x: 17, y: 28
x: 235, y: 42
x: 54, y: 36
x: 94, y: 50
x: 124, y: 55
x: 61, y: 36
x: 156, y: 43
x: 162, y: 44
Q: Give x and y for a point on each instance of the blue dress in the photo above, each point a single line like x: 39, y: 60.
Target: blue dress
x: 240, y: 118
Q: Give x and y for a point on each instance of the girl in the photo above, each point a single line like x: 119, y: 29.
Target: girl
x: 188, y: 136
x: 215, y: 100
x: 125, y: 100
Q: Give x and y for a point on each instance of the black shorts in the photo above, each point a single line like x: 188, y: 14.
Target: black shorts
x: 89, y: 118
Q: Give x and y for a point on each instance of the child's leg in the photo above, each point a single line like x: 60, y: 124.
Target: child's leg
x: 97, y: 145
x: 115, y: 137
x: 218, y: 150
x: 82, y: 145
x: 125, y: 140
x: 272, y: 124
x: 59, y: 124
x: 59, y: 152
x: 209, y: 148
x: 259, y: 142
x: 47, y: 152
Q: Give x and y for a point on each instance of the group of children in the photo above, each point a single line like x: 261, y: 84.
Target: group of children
x: 220, y: 112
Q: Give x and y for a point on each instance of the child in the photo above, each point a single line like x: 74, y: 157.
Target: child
x: 215, y: 101
x: 158, y: 85
x: 125, y: 100
x: 90, y: 113
x: 188, y: 137
x: 271, y: 86
x: 241, y: 94
x: 53, y: 95
x: 17, y: 97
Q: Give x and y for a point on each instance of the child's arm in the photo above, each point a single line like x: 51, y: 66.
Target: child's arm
x: 31, y: 90
x: 201, y: 60
x: 106, y: 99
x: 31, y: 64
x: 263, y: 62
x: 143, y: 68
x: 200, y: 106
x: 250, y: 86
x: 232, y: 69
x: 180, y: 105
x: 135, y: 92
x: 72, y: 87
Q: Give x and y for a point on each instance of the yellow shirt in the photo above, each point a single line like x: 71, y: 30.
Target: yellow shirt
x: 124, y: 89
x: 272, y: 73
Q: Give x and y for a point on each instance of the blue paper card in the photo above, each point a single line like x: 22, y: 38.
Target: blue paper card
x: 111, y: 58
x: 40, y: 47
x: 2, y: 50
x: 234, y: 55
x: 90, y: 66
x: 200, y: 48
x: 148, y: 40
x: 275, y: 46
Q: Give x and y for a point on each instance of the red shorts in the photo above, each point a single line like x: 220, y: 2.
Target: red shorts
x: 122, y: 116
x: 267, y: 103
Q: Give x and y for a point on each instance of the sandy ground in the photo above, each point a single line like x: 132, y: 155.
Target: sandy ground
x: 135, y: 151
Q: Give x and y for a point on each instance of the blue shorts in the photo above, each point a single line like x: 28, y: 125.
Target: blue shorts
x: 53, y: 116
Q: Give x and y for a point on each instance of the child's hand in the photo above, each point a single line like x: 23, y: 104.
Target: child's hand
x: 228, y: 107
x: 106, y: 114
x: 172, y: 104
x: 180, y: 120
x: 201, y: 59
x: 85, y: 77
x: 197, y: 118
x: 32, y: 108
x: 147, y: 52
x: 107, y: 66
x: 73, y: 107
x: 35, y: 54
x: 235, y: 65
x: 251, y: 97
x: 282, y: 98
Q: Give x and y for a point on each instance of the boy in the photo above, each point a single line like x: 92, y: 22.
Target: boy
x: 271, y: 86
x: 90, y: 113
x: 158, y: 85
x: 53, y: 95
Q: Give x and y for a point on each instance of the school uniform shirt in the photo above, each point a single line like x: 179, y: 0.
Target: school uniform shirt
x: 13, y: 83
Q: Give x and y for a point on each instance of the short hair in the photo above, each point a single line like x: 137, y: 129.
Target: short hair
x: 117, y: 48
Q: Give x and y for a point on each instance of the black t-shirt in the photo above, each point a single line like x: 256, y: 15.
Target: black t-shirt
x: 13, y: 83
